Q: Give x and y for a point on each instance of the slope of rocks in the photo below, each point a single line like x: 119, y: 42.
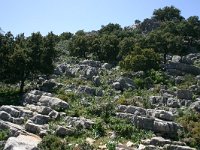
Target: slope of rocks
x: 29, y: 123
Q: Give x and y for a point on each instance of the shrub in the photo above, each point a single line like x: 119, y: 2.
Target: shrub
x: 141, y: 60
x: 127, y: 130
x: 51, y: 142
x: 98, y: 129
x: 190, y: 121
x: 4, y: 134
x: 111, y: 145
x: 9, y: 95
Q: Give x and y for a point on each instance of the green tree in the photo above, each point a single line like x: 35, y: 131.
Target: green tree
x: 168, y: 13
x: 110, y: 28
x: 141, y: 60
x: 78, y: 46
x: 29, y: 58
x: 109, y: 48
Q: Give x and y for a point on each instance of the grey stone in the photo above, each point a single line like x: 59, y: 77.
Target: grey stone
x: 143, y: 122
x: 164, y: 115
x: 79, y: 122
x: 48, y: 85
x: 183, y: 68
x: 176, y: 59
x: 40, y: 119
x: 90, y: 72
x: 196, y: 106
x: 184, y: 94
x: 179, y: 79
x: 116, y: 86
x: 33, y: 128
x: 62, y: 131
x: 13, y: 128
x: 155, y: 100
x: 23, y: 142
x: 54, y: 114
x: 96, y: 80
x: 18, y: 121
x: 172, y: 102
x: 157, y: 141
x: 167, y: 128
x: 177, y: 147
x: 54, y: 103
x: 91, y: 63
x: 9, y: 109
x: 5, y: 116
x: 87, y: 90
x: 106, y: 66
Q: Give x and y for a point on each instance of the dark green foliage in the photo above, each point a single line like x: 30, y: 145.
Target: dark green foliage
x: 9, y: 95
x: 141, y: 60
x: 4, y: 135
x: 98, y: 129
x: 125, y: 129
x: 168, y: 13
x: 190, y: 121
x: 52, y: 142
x: 84, y: 146
x: 25, y: 58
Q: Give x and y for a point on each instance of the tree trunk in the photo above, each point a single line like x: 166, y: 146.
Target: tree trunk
x: 22, y: 86
x: 165, y: 58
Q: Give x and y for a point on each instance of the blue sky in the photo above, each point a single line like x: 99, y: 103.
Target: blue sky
x: 27, y: 16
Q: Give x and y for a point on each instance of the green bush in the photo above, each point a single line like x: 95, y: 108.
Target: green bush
x: 141, y: 60
x: 190, y: 121
x: 4, y: 134
x: 98, y: 130
x: 111, y: 145
x: 104, y: 110
x: 51, y: 142
x: 125, y: 129
x: 9, y: 95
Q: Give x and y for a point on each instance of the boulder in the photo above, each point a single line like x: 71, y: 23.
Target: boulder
x: 23, y: 142
x: 184, y: 94
x: 54, y: 114
x: 156, y: 141
x: 156, y: 100
x: 143, y: 122
x: 49, y: 85
x: 62, y: 131
x: 13, y: 128
x: 177, y: 147
x: 40, y: 119
x: 9, y: 109
x: 176, y: 59
x: 164, y: 115
x: 87, y: 90
x: 196, y: 106
x: 106, y: 66
x: 79, y: 122
x: 96, y: 80
x: 90, y: 72
x: 123, y: 83
x: 5, y: 116
x: 53, y: 102
x: 173, y: 102
x: 166, y: 128
x: 91, y: 63
x: 33, y: 128
x: 183, y: 68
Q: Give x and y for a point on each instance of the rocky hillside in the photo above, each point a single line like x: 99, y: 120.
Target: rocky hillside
x: 87, y: 105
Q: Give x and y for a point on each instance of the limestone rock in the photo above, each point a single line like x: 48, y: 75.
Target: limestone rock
x: 184, y: 94
x: 22, y: 142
